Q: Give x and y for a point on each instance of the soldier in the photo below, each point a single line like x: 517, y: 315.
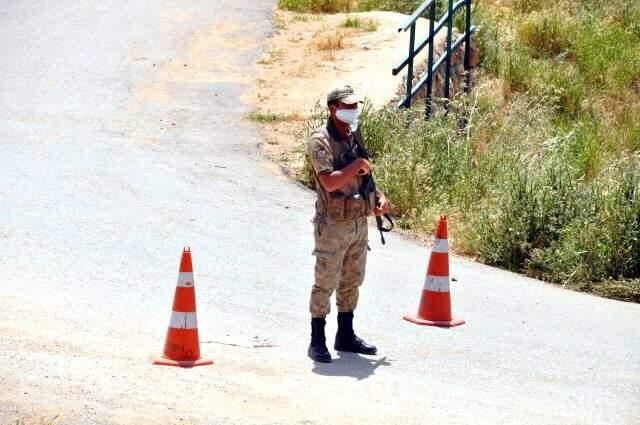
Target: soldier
x: 340, y: 224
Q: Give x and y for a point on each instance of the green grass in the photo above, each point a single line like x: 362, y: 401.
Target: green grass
x: 403, y: 6
x: 539, y: 169
x: 316, y: 6
x: 545, y: 35
x: 604, y: 48
x: 515, y: 189
x: 335, y: 6
x: 268, y: 117
x: 364, y: 24
x: 587, y: 61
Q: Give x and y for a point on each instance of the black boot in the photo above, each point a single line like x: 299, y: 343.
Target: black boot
x: 346, y: 339
x: 318, y: 347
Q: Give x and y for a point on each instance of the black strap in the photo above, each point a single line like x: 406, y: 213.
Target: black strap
x: 381, y: 227
x: 370, y: 186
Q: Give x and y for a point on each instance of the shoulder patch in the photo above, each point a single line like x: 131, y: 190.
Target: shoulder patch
x: 319, y: 153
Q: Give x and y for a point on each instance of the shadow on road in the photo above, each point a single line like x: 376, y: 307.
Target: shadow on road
x: 350, y: 364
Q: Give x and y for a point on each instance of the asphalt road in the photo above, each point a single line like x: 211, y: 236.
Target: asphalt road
x: 122, y: 139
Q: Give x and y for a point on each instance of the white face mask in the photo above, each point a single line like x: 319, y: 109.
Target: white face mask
x: 349, y: 116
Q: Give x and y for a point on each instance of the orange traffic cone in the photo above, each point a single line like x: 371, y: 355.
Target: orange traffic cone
x: 435, y: 303
x: 182, y: 346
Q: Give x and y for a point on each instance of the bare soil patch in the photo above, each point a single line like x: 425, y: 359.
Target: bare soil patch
x: 310, y: 54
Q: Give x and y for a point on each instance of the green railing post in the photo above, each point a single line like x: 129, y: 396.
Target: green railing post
x: 443, y: 60
x: 467, y: 48
x: 412, y: 41
x: 447, y: 71
x: 429, y: 98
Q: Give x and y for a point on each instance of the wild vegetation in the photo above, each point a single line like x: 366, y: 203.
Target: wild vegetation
x: 539, y: 168
x: 368, y: 25
x: 334, y: 6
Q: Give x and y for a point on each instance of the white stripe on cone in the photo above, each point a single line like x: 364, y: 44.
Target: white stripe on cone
x: 441, y: 246
x: 185, y: 279
x: 436, y: 283
x: 181, y: 320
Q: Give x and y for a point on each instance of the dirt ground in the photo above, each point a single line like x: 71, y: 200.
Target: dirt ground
x: 310, y: 54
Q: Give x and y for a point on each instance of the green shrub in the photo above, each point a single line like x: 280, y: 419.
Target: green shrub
x: 545, y: 34
x: 295, y: 5
x: 364, y: 24
x: 488, y: 40
x: 567, y: 88
x: 517, y: 68
x: 607, y: 54
x: 561, y: 82
x: 528, y: 6
x: 550, y: 223
x: 628, y: 130
x: 402, y: 6
x: 602, y: 242
x: 543, y: 178
x: 316, y: 6
x: 527, y: 195
x: 334, y: 6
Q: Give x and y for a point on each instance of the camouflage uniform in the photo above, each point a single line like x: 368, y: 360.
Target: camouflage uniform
x: 340, y: 226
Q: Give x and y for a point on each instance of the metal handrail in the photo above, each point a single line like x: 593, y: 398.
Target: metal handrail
x: 434, y: 28
x: 435, y: 66
x: 422, y: 44
x: 415, y: 15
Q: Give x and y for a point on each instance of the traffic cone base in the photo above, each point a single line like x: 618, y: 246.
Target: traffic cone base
x: 414, y: 318
x: 160, y: 360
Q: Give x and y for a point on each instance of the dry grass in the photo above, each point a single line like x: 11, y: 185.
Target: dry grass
x: 279, y: 23
x: 300, y: 17
x: 271, y: 57
x: 330, y: 41
x: 43, y: 420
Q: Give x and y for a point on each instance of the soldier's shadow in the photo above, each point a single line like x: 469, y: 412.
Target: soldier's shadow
x: 350, y: 364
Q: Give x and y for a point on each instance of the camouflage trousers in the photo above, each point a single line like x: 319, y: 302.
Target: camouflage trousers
x: 341, y: 256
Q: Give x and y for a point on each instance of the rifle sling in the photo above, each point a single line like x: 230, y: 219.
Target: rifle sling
x: 370, y: 184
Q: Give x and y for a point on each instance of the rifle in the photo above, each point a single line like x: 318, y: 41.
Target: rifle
x: 369, y: 186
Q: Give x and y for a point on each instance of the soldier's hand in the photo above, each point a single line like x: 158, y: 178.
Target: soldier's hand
x: 382, y: 207
x: 364, y: 166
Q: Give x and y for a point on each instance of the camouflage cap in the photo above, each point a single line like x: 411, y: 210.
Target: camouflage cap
x: 345, y: 94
